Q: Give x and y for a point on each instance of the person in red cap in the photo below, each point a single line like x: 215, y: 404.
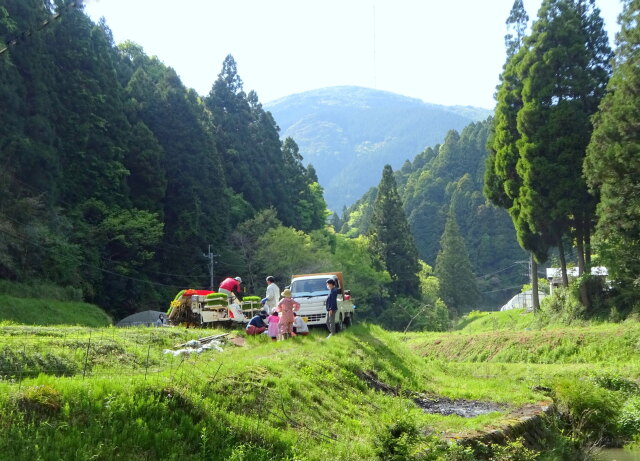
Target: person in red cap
x: 231, y: 286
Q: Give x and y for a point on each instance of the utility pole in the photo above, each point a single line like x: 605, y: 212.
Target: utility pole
x: 210, y: 256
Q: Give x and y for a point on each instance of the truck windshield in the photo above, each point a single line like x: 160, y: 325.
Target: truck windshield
x: 309, y: 287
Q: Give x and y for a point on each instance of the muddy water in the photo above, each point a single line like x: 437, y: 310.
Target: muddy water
x: 618, y: 454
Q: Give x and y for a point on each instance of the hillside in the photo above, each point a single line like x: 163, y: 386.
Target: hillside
x: 450, y: 176
x: 349, y: 133
x: 364, y: 394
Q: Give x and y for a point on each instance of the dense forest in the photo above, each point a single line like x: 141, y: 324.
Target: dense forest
x: 448, y: 179
x: 115, y: 177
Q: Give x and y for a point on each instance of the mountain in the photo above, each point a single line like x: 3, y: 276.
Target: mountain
x: 349, y: 133
x: 449, y: 177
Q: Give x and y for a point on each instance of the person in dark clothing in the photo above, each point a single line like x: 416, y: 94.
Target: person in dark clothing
x: 331, y: 305
x: 257, y: 324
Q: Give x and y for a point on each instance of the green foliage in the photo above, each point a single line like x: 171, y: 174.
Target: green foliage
x: 592, y: 411
x: 368, y: 284
x: 629, y: 418
x: 391, y: 237
x: 543, y: 286
x: 397, y: 442
x: 39, y: 402
x: 563, y: 306
x: 284, y: 251
x: 611, y: 166
x: 407, y: 314
x: 457, y: 284
x: 445, y: 177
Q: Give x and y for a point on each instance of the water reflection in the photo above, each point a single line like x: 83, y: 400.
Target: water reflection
x: 618, y: 454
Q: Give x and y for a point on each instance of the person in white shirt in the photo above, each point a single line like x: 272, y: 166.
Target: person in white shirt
x: 300, y: 326
x: 273, y: 294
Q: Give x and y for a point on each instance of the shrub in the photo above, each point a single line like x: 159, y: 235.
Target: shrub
x: 629, y: 420
x: 592, y: 411
x: 38, y: 402
x: 616, y: 383
x: 563, y: 306
x: 397, y: 441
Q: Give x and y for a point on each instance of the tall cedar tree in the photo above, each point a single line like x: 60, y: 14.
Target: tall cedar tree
x: 194, y: 192
x: 391, y: 237
x: 612, y: 166
x: 255, y: 160
x: 564, y: 74
x: 458, y: 287
x: 502, y: 183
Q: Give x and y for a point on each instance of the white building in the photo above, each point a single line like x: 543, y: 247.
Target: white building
x: 522, y: 300
x: 554, y: 275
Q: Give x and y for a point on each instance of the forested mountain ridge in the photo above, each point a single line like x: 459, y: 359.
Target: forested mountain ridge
x: 449, y: 177
x: 347, y: 129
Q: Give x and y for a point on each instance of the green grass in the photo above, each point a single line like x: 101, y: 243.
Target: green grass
x: 605, y: 343
x: 112, y: 394
x: 479, y: 321
x: 301, y: 399
x: 32, y: 311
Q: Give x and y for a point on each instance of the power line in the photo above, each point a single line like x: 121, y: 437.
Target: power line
x: 25, y: 34
x: 502, y: 270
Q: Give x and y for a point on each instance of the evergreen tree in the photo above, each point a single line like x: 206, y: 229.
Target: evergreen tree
x: 391, y: 237
x: 232, y: 118
x: 502, y: 181
x: 564, y: 74
x: 612, y: 165
x: 516, y: 28
x: 458, y: 287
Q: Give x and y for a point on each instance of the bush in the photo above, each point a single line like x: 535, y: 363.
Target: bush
x: 563, y: 306
x: 616, y: 383
x: 397, y: 441
x: 629, y: 420
x: 39, y: 402
x: 592, y: 411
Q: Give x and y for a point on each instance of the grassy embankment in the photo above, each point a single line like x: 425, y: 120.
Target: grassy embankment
x: 307, y: 398
x: 107, y: 393
x: 592, y: 371
x: 42, y: 304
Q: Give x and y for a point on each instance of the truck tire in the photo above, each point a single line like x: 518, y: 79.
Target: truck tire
x: 348, y: 321
x: 339, y: 324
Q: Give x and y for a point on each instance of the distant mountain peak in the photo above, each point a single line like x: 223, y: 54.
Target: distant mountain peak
x: 349, y: 133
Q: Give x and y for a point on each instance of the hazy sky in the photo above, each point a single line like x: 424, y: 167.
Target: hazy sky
x: 441, y: 51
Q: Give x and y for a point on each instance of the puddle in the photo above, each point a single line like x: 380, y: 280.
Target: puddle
x: 460, y: 407
x: 618, y: 454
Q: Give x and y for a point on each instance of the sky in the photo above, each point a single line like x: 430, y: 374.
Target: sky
x: 447, y: 52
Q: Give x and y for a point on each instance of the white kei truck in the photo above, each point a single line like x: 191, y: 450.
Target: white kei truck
x: 310, y: 290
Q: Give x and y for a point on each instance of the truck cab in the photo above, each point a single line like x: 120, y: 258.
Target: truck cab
x: 310, y: 290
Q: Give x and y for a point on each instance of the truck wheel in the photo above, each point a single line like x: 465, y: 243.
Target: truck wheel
x: 347, y: 321
x: 339, y: 325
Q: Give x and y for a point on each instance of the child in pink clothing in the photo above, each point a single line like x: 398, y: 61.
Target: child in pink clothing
x: 287, y: 306
x: 274, y: 321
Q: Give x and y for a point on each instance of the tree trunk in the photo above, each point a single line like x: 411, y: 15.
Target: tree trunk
x: 563, y: 263
x: 534, y: 284
x: 583, y: 269
x: 587, y: 248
